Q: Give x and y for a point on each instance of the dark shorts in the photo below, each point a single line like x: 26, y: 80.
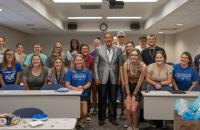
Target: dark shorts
x: 84, y: 98
x: 132, y: 87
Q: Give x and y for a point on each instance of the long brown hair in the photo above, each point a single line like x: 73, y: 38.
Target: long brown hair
x: 41, y: 62
x: 190, y: 63
x: 62, y: 71
x: 5, y: 62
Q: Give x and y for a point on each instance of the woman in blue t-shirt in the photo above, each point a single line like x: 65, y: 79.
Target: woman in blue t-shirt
x: 10, y: 70
x: 78, y: 78
x: 185, y: 78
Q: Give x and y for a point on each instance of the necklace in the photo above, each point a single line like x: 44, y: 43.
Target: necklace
x: 151, y: 53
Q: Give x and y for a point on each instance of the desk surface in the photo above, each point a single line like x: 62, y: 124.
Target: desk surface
x: 37, y: 92
x: 159, y: 105
x: 167, y: 94
x: 50, y: 124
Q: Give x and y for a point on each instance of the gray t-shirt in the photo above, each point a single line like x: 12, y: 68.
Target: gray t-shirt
x: 157, y: 75
x: 35, y: 82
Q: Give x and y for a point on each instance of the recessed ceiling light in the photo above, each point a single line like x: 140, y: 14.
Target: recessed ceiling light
x: 84, y: 18
x: 138, y: 0
x: 77, y: 1
x: 1, y: 10
x: 160, y: 32
x: 179, y: 24
x: 123, y: 17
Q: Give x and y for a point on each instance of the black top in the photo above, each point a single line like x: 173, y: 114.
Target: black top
x: 148, y: 55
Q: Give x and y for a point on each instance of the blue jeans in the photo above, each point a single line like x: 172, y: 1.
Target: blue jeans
x: 163, y: 88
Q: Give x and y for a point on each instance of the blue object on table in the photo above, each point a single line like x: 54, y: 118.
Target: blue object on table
x: 40, y: 117
x: 62, y: 90
x: 51, y: 87
x: 12, y: 87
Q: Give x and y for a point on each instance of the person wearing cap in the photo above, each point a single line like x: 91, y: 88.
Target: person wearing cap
x: 121, y: 36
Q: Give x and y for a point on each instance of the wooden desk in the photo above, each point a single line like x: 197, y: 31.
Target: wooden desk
x: 160, y: 105
x: 55, y: 104
x: 50, y: 124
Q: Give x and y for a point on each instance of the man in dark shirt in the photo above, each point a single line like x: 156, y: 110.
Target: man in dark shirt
x: 148, y: 54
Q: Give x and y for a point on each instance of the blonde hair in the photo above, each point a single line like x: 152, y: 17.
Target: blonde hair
x: 74, y: 65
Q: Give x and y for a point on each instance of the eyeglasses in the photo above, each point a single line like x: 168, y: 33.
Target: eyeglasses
x: 120, y: 36
x: 10, y: 54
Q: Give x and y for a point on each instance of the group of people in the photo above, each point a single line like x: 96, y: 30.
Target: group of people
x: 114, y: 66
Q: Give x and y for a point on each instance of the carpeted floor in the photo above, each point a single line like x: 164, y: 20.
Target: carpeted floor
x: 108, y: 126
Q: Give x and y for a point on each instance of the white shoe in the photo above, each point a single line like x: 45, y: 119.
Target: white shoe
x: 129, y: 128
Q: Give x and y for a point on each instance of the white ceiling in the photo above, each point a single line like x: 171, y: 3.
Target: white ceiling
x: 45, y: 16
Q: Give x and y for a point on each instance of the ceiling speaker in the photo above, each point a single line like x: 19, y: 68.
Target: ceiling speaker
x: 72, y: 26
x: 135, y: 26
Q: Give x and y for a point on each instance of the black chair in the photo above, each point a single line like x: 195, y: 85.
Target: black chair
x: 51, y: 87
x: 12, y: 87
x: 27, y: 112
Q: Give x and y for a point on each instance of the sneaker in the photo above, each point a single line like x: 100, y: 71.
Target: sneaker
x: 129, y: 128
x: 81, y: 124
x: 94, y: 113
x: 88, y: 119
x: 125, y: 126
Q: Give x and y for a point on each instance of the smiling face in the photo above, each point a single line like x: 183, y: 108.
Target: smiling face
x: 36, y: 62
x: 2, y: 42
x: 184, y: 60
x: 37, y: 48
x: 58, y: 64
x: 75, y: 44
x: 78, y: 62
x: 10, y: 55
x: 96, y: 43
x: 108, y: 39
x: 134, y: 56
x: 159, y: 59
x: 20, y: 48
x: 129, y: 47
x: 84, y: 50
x: 121, y: 39
x: 151, y: 39
x: 57, y: 47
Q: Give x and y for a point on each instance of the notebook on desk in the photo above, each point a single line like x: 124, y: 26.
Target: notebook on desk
x: 177, y: 92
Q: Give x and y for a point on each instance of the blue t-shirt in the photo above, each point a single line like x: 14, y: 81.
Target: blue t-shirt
x: 184, y: 76
x: 10, y: 75
x: 78, y: 78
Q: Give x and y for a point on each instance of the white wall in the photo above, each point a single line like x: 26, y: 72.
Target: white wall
x: 47, y: 40
x: 13, y: 37
x: 188, y: 40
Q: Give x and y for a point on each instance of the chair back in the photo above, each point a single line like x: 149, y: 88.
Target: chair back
x: 27, y: 112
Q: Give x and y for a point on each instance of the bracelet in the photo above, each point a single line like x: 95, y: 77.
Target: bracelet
x: 134, y: 94
x: 83, y: 87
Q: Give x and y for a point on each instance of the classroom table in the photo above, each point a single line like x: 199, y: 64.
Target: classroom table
x: 55, y: 104
x: 160, y: 105
x: 50, y: 124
